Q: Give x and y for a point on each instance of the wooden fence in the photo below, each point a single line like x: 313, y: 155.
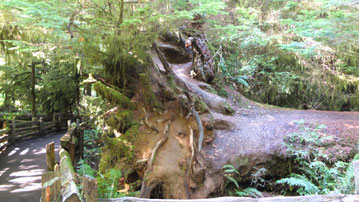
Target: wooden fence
x: 18, y: 130
x: 60, y: 182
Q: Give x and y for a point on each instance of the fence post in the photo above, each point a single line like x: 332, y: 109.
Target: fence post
x: 89, y: 189
x: 55, y: 120
x: 4, y: 124
x: 13, y: 127
x: 59, y: 122
x: 68, y: 124
x: 50, y: 156
x: 41, y: 125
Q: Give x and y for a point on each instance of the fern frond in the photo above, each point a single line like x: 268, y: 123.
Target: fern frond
x: 250, y: 191
x: 308, y: 186
x: 231, y: 179
x: 230, y: 169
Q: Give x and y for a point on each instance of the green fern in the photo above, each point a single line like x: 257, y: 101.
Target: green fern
x: 250, y: 191
x: 305, y: 185
x: 83, y: 168
x: 232, y: 175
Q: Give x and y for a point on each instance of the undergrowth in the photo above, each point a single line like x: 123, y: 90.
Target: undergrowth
x: 313, y: 174
x: 232, y: 186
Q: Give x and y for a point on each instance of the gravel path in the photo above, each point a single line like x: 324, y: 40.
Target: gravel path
x: 21, y: 167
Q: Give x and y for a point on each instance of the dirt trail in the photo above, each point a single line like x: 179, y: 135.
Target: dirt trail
x: 21, y: 168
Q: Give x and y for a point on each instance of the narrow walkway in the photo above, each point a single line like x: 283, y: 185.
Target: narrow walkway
x: 21, y: 167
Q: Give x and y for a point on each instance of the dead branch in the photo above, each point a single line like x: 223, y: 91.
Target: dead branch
x: 111, y: 111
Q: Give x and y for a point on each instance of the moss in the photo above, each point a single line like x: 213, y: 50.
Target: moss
x: 200, y: 105
x: 171, y: 82
x: 219, y: 88
x: 114, y: 151
x: 131, y: 133
x: 228, y: 108
x: 122, y: 120
x: 212, y: 90
x: 147, y: 91
x: 113, y: 96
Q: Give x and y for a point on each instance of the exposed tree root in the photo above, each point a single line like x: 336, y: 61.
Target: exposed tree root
x: 148, y: 186
x: 169, y: 70
x: 200, y: 128
x: 147, y: 123
x: 189, y: 167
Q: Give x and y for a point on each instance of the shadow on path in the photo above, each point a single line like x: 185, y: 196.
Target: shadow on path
x: 21, y: 168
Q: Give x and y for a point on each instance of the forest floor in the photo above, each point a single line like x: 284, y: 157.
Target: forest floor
x: 22, y: 166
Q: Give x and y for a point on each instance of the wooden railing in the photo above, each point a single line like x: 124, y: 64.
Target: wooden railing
x: 17, y: 130
x: 60, y: 182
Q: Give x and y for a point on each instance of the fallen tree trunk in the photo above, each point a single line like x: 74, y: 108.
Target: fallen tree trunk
x: 249, y: 137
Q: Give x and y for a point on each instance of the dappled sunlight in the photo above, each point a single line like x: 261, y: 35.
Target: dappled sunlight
x: 24, y: 180
x: 27, y: 173
x: 3, y: 171
x: 28, y: 187
x: 24, y: 151
x: 27, y: 160
x: 22, y: 167
x: 39, y: 151
x: 14, y: 151
x: 6, y: 187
